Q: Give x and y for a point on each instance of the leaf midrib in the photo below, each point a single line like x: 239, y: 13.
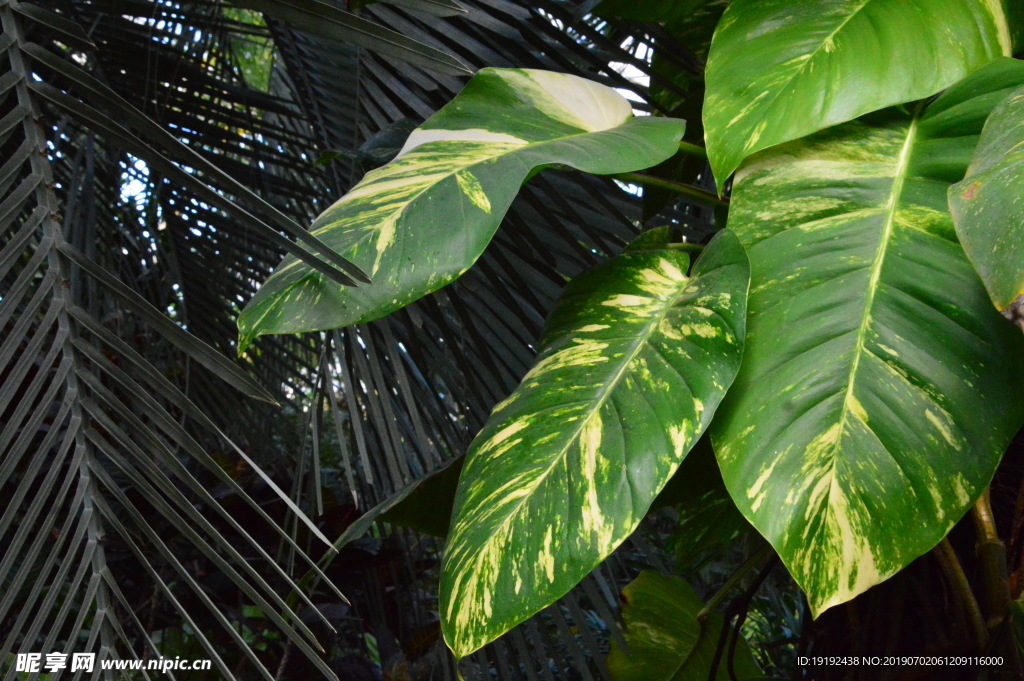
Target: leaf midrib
x: 810, y: 57
x: 891, y: 210
x: 606, y: 391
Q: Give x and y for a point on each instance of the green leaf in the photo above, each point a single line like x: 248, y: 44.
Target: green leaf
x: 254, y: 54
x: 708, y: 517
x: 635, y: 359
x: 1017, y: 624
x: 428, y: 507
x: 879, y: 388
x: 666, y: 641
x: 987, y: 209
x: 782, y: 69
x: 1015, y: 15
x: 419, y: 222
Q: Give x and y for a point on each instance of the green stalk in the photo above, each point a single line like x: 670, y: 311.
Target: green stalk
x: 734, y: 581
x: 954, y: 574
x: 992, y: 556
x: 693, y: 150
x: 996, y: 583
x: 695, y: 193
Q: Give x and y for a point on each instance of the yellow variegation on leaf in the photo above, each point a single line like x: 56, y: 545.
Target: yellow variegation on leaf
x: 635, y: 358
x: 782, y: 69
x: 420, y: 221
x: 879, y: 388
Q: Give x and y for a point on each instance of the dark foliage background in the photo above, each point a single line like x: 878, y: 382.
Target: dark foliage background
x: 133, y: 515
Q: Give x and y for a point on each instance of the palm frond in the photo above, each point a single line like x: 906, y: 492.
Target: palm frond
x: 75, y: 414
x: 179, y: 146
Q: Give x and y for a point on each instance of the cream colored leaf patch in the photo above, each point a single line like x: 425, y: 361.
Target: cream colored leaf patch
x: 576, y: 101
x: 421, y: 137
x: 471, y: 188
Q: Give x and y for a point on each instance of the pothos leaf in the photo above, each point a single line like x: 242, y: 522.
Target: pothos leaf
x: 782, y: 69
x: 419, y: 222
x: 635, y: 359
x: 879, y: 387
x: 666, y: 641
x: 987, y: 206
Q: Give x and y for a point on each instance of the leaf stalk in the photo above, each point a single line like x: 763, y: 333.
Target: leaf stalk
x: 733, y: 581
x: 992, y: 556
x: 695, y: 193
x: 693, y: 150
x: 954, y: 573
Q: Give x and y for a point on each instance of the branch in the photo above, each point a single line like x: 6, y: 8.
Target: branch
x: 733, y: 582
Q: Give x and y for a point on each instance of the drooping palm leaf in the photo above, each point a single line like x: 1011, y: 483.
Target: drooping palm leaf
x: 69, y: 385
x: 410, y: 390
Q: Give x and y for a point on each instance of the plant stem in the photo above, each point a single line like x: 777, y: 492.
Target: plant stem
x: 995, y: 581
x: 693, y: 150
x: 734, y: 581
x: 954, y: 573
x: 695, y: 193
x: 992, y: 556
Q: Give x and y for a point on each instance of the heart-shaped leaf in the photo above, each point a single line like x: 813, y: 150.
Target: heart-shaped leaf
x: 782, y: 69
x: 419, y: 222
x: 879, y: 388
x: 635, y: 359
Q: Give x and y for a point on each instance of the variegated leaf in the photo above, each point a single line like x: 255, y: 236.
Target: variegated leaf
x: 879, y: 387
x: 988, y: 210
x: 782, y: 69
x: 419, y: 222
x: 634, y: 361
